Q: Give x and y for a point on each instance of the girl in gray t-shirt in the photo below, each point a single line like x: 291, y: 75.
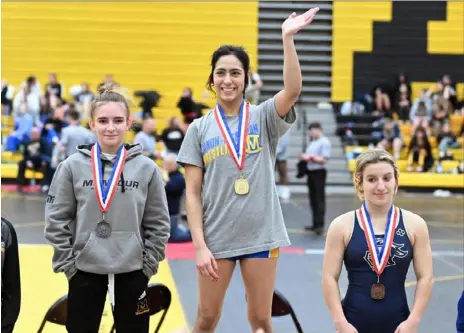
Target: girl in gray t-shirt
x: 232, y: 204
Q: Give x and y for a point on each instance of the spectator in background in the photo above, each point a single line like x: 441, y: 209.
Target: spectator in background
x: 29, y: 96
x: 74, y: 135
x: 175, y: 188
x: 402, y: 81
x: 382, y: 103
x: 253, y: 91
x: 187, y: 107
x: 34, y: 151
x: 447, y: 139
x: 7, y: 97
x: 82, y: 98
x: 83, y: 94
x: 46, y: 109
x: 49, y: 139
x: 173, y: 136
x: 23, y: 124
x: 33, y: 84
x: 317, y: 154
x: 421, y: 111
x: 441, y: 110
x: 147, y: 139
x: 11, y: 277
x: 391, y: 138
x: 449, y: 90
x: 53, y: 87
x: 109, y: 80
x: 402, y: 103
x: 420, y: 152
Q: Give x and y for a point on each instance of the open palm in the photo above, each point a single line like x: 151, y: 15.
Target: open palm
x: 295, y: 23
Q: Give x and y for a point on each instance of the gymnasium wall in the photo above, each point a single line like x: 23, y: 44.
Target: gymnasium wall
x: 159, y: 46
x: 374, y: 41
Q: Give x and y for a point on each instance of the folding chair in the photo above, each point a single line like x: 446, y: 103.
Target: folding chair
x: 159, y: 299
x: 281, y: 307
x: 57, y: 313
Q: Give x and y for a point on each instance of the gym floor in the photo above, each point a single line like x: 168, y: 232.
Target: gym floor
x: 299, y: 272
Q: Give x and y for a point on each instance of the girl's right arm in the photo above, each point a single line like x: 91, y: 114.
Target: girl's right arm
x: 206, y: 264
x: 60, y: 211
x: 191, y: 158
x: 333, y: 260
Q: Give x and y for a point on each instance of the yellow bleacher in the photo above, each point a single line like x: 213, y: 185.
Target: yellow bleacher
x: 157, y: 46
x: 448, y: 166
x: 447, y: 179
x: 458, y: 153
x: 145, y: 45
x: 413, y: 179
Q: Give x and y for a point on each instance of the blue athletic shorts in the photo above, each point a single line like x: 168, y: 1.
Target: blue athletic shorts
x: 274, y: 253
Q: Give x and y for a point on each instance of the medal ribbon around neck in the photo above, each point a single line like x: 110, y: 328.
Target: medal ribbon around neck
x: 237, y: 149
x: 105, y: 195
x: 379, y: 258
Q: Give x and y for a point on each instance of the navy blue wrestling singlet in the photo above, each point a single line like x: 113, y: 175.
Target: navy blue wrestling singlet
x: 361, y: 310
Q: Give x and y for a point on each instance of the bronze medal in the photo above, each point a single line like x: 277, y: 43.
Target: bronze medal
x: 378, y: 291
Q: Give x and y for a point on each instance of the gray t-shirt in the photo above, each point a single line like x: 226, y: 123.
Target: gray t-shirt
x: 233, y: 224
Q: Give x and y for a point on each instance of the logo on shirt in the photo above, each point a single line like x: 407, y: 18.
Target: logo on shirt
x: 50, y: 198
x: 397, y: 252
x: 216, y: 147
x: 128, y: 184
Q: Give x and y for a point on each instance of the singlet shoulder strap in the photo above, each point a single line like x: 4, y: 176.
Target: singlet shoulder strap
x: 400, y: 223
x: 355, y: 226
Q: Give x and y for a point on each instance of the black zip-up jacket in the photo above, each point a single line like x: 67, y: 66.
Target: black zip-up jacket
x: 11, y: 279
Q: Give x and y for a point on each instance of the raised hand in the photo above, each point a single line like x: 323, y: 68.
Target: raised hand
x: 295, y: 23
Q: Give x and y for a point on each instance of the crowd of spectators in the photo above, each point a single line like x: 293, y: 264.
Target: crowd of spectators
x: 423, y: 130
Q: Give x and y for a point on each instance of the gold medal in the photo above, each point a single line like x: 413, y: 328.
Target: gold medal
x: 241, y: 186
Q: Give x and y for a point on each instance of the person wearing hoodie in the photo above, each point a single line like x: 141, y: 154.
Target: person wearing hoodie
x: 107, y: 219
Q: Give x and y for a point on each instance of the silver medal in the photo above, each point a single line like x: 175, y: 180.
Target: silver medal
x: 103, y: 229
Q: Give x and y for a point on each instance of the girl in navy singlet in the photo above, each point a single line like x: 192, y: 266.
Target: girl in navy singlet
x: 377, y: 243
x: 363, y: 312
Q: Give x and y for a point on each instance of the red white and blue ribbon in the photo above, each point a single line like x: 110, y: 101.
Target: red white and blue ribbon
x: 104, y: 194
x: 236, y: 146
x: 380, y: 256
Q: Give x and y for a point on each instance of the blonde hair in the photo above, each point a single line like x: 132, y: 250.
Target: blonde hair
x: 366, y: 158
x: 110, y: 92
